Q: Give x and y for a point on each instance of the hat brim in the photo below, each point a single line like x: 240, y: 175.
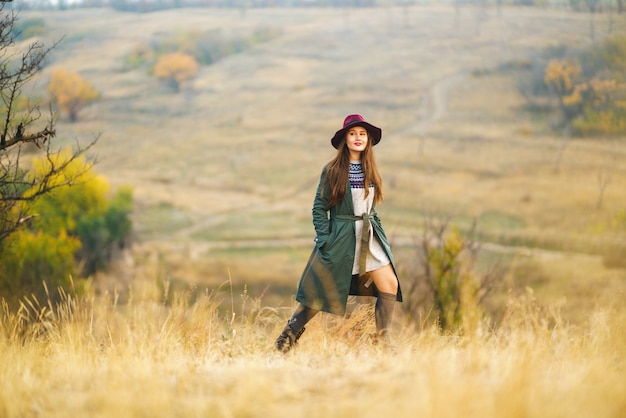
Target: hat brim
x: 374, y: 132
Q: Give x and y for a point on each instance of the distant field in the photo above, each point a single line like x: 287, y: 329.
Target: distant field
x: 224, y: 172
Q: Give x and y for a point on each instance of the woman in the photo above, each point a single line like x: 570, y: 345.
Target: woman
x: 351, y: 255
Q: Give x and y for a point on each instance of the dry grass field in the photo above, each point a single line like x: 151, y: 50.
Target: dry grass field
x: 92, y: 357
x: 224, y: 174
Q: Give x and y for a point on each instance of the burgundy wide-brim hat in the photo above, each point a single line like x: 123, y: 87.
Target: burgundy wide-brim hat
x: 350, y: 121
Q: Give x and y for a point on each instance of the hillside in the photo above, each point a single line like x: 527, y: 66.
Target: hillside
x: 224, y: 172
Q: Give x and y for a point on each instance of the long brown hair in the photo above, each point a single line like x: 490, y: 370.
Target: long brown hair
x: 338, y: 169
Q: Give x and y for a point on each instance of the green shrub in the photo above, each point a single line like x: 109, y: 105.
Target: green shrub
x: 100, y: 233
x: 70, y: 228
x: 600, y: 121
x: 29, y: 258
x: 447, y: 277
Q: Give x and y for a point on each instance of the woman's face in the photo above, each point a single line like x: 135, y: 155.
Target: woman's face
x: 356, y: 141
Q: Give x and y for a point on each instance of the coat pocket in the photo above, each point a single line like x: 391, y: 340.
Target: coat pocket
x: 336, y: 247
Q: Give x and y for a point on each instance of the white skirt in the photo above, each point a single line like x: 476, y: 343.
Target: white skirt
x: 376, y: 255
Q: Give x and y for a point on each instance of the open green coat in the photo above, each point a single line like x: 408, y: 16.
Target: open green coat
x: 327, y: 278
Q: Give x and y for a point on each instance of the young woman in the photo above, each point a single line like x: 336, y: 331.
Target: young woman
x: 351, y: 255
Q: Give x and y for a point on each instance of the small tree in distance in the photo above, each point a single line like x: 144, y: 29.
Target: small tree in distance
x: 70, y: 92
x: 176, y: 69
x: 561, y: 78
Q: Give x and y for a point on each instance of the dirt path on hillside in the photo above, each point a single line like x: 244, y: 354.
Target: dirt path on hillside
x: 431, y: 109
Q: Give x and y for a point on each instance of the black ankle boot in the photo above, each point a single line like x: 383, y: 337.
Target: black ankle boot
x: 287, y: 339
x: 294, y: 328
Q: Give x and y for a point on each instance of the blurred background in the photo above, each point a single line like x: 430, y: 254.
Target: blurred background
x: 504, y: 129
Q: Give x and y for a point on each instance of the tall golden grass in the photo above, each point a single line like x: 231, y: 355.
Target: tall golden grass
x: 161, y: 355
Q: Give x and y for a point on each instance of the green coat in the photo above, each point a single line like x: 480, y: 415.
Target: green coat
x: 327, y: 278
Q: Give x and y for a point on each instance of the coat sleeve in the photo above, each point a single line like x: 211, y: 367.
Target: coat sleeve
x: 320, y: 212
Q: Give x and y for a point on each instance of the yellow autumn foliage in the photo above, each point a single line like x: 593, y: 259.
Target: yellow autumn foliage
x: 64, y: 206
x: 576, y: 96
x: 591, y: 105
x: 605, y: 91
x: 560, y: 75
x: 176, y: 68
x: 70, y: 92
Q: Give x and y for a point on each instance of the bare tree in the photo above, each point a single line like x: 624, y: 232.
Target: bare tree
x: 22, y: 124
x: 604, y: 178
x: 605, y: 174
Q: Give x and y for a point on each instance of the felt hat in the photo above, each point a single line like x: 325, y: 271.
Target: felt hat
x: 351, y: 121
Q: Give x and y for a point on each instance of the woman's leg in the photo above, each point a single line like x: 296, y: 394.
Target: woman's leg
x: 387, y: 284
x: 385, y: 279
x: 294, y: 328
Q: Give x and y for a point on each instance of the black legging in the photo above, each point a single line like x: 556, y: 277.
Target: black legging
x: 300, y: 317
x: 383, y: 312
